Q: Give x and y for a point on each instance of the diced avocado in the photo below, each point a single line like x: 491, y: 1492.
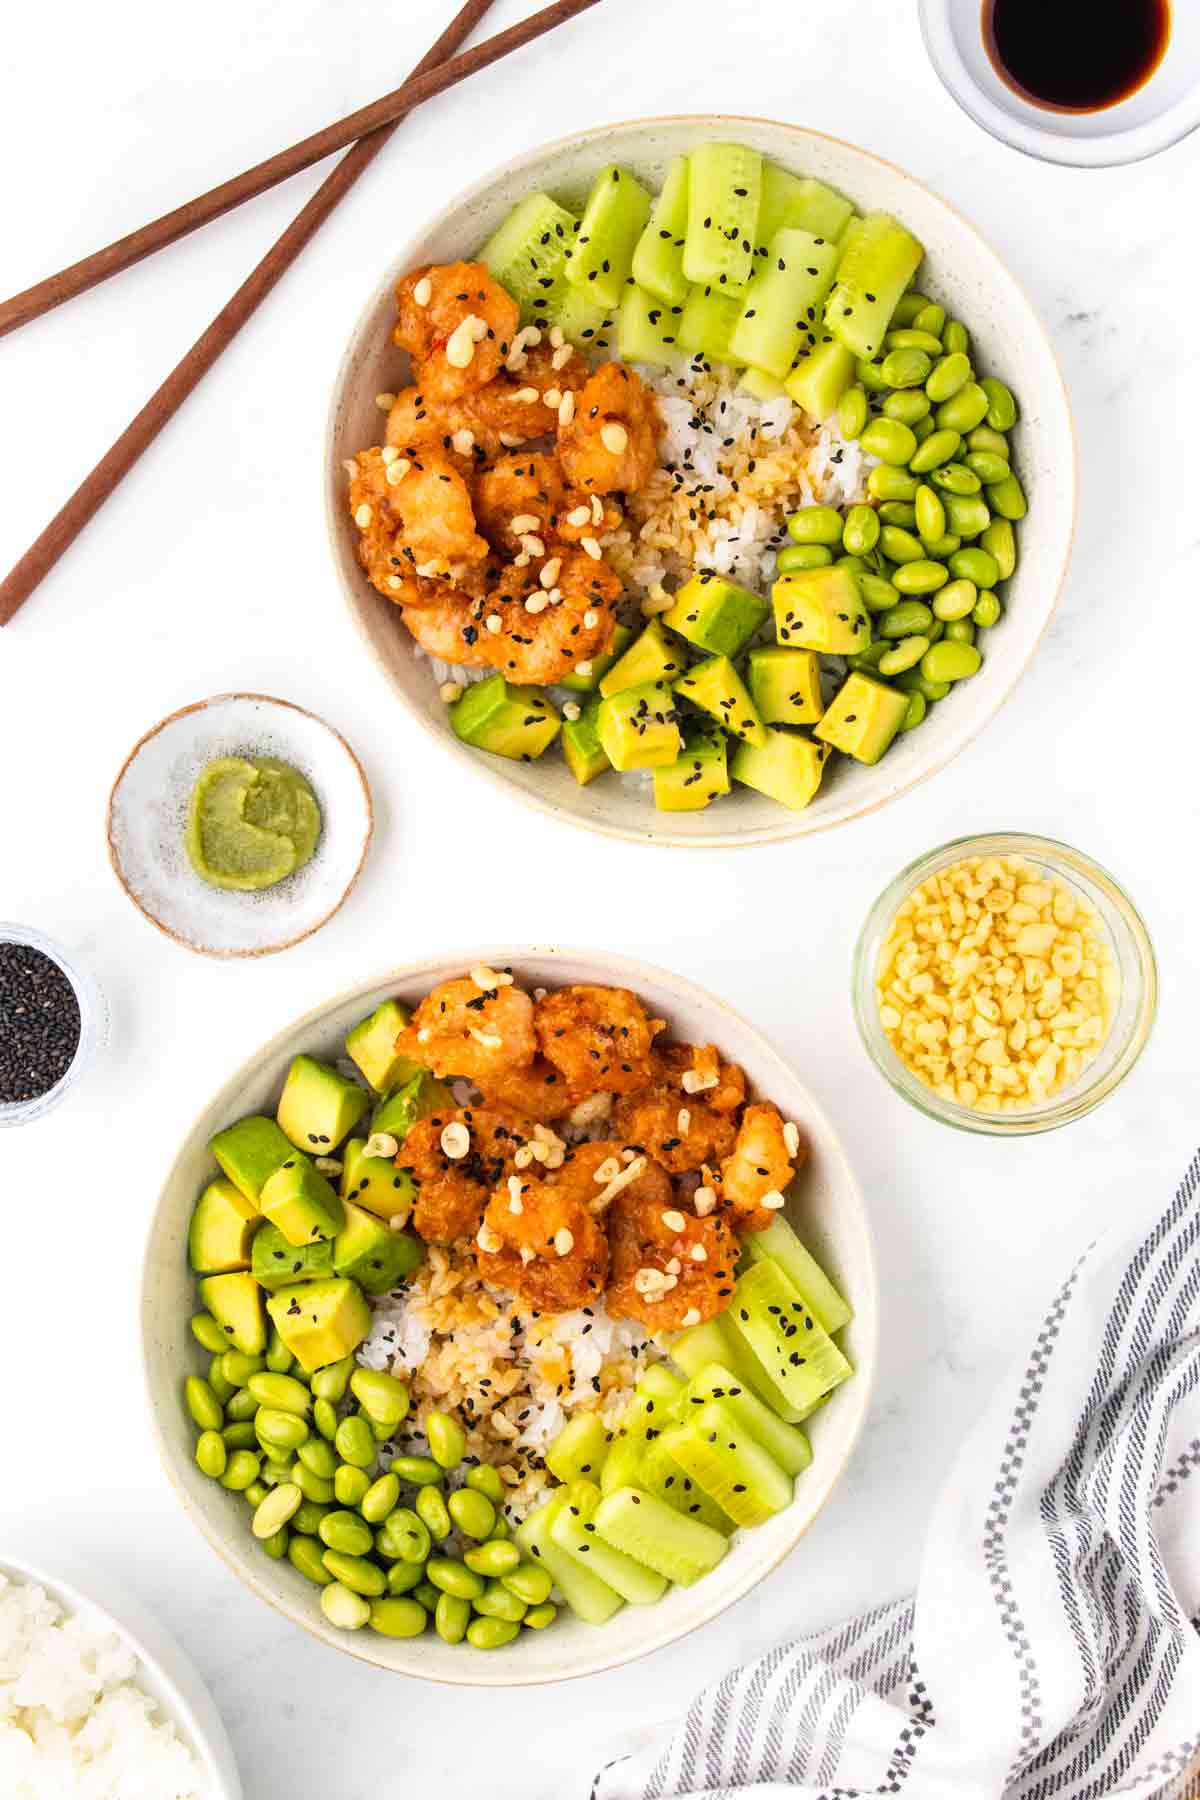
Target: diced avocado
x: 223, y: 1223
x: 652, y: 658
x: 821, y: 609
x: 581, y: 744
x: 599, y: 665
x: 715, y: 614
x: 319, y: 1107
x: 276, y: 1263
x: 321, y: 1321
x: 639, y: 727
x: 818, y: 381
x: 378, y: 1259
x: 375, y: 1182
x: 509, y: 721
x: 235, y: 1302
x: 301, y: 1202
x: 249, y: 1152
x: 697, y: 775
x: 372, y: 1045
x: 716, y: 687
x: 786, y: 768
x: 785, y: 685
x: 863, y: 718
x: 423, y: 1095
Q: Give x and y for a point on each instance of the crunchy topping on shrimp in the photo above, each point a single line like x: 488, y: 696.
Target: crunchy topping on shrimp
x: 447, y: 629
x: 678, y: 1131
x: 539, y: 1091
x: 550, y: 617
x: 543, y: 1245
x: 457, y: 324
x: 755, y: 1177
x: 669, y: 1268
x: 611, y: 441
x: 523, y: 495
x: 456, y: 1158
x: 461, y: 1029
x: 418, y: 511
x: 597, y: 1037
x: 589, y: 1170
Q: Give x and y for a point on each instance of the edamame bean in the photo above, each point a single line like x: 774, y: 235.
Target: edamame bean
x: 273, y: 1513
x: 906, y: 655
x: 240, y: 1435
x: 325, y: 1419
x: 860, y: 530
x: 426, y: 1595
x: 282, y: 1393
x: 303, y: 1554
x: 955, y: 338
x: 486, y: 1480
x: 206, y: 1410
x: 281, y: 1430
x: 419, y: 1470
x: 501, y: 1529
x: 496, y: 1602
x: 886, y: 483
x: 955, y: 600
x: 403, y: 1577
x: 354, y: 1441
x: 924, y: 577
x: 898, y: 512
x: 350, y: 1484
x: 930, y: 515
x: 907, y: 367
x: 889, y: 440
x: 910, y: 337
x: 211, y: 1454
x: 241, y: 1469
x: 1007, y: 498
x: 447, y: 1439
x: 380, y: 1499
x: 473, y: 1513
x: 242, y: 1407
x: 975, y: 565
x: 496, y: 1557
x: 430, y: 1508
x: 949, y: 661
x: 911, y: 618
x: 936, y: 630
x: 383, y: 1398
x: 815, y: 525
x: 924, y: 428
x: 208, y: 1334
x: 867, y: 661
x: 964, y: 410
x: 852, y: 412
x: 956, y: 478
x: 276, y: 1545
x: 917, y: 706
x: 406, y: 1536
x: 960, y: 631
x: 1000, y: 542
x: 908, y: 306
x: 344, y: 1608
x: 987, y: 611
x: 803, y: 556
x: 987, y: 466
x: 319, y: 1456
x: 944, y: 547
x: 255, y: 1494
x: 984, y: 438
x: 237, y: 1367
x: 877, y: 596
x: 398, y: 1618
x: 224, y: 1390
x: 491, y: 1634
x: 908, y: 405
x: 948, y: 375
x: 931, y: 318
x: 937, y: 449
x: 868, y: 375
x: 307, y: 1517
x: 356, y: 1573
x: 451, y: 1616
x: 913, y: 682
x: 279, y: 1358
x: 529, y: 1582
x: 1002, y: 407
x: 966, y: 514
x: 331, y: 1382
x: 313, y: 1487
x: 276, y: 1470
x: 450, y: 1576
x: 900, y: 546
x: 345, y: 1531
x: 538, y: 1617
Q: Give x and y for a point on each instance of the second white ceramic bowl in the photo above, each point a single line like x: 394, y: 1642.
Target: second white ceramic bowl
x: 961, y: 271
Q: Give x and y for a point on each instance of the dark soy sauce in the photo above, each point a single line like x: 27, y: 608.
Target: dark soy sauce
x: 1076, y: 55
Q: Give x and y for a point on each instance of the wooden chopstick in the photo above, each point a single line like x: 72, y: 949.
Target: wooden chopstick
x: 142, y: 430
x: 426, y: 81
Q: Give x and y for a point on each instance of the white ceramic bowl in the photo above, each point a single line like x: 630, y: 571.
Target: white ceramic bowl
x: 960, y: 270
x: 165, y: 1673
x: 828, y: 1209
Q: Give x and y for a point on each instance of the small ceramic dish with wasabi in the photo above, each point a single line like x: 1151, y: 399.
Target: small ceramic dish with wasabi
x: 239, y: 824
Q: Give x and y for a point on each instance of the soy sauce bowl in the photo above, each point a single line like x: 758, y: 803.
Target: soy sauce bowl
x: 1155, y: 116
x: 93, y: 1024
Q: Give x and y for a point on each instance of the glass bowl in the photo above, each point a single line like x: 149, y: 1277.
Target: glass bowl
x: 93, y: 1024
x: 1132, y: 952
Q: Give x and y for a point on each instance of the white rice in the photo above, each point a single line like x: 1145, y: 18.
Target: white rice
x: 74, y: 1724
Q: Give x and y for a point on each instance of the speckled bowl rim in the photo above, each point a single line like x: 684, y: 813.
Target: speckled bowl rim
x: 177, y: 937
x: 631, y: 973
x: 791, y: 825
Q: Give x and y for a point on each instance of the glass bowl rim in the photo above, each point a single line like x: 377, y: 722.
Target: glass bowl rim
x: 93, y: 1022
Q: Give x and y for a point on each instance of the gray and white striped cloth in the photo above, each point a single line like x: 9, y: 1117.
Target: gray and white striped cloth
x: 1053, y: 1646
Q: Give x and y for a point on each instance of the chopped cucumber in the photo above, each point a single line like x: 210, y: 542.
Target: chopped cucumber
x: 799, y: 200
x: 658, y: 258
x: 724, y: 185
x: 761, y: 385
x: 788, y: 1445
x: 661, y: 1475
x: 718, y: 1341
x: 588, y: 1597
x: 729, y: 1464
x: 647, y: 329
x: 782, y: 305
x: 876, y: 267
x: 574, y: 1531
x: 600, y: 259
x: 643, y: 1420
x: 581, y: 321
x: 707, y: 322
x: 653, y: 1533
x: 818, y: 382
x: 779, y: 1244
x: 579, y: 1449
x: 801, y: 1358
x: 527, y: 253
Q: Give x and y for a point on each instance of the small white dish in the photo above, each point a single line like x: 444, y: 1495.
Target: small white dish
x: 147, y: 813
x: 1158, y: 114
x: 166, y: 1673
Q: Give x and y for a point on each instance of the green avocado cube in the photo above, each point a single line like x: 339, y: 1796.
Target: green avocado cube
x: 301, y: 1202
x: 598, y: 666
x: 863, y: 718
x: 785, y: 685
x: 375, y: 1182
x: 581, y: 744
x: 249, y: 1152
x: 698, y: 774
x: 639, y: 727
x: 715, y: 614
x: 320, y: 1321
x: 717, y: 689
x: 223, y: 1224
x: 372, y: 1046
x: 651, y: 658
x: 417, y: 1099
x: 276, y: 1262
x: 821, y: 609
x: 378, y: 1259
x: 319, y: 1107
x: 516, y: 722
x: 787, y: 768
x: 235, y: 1302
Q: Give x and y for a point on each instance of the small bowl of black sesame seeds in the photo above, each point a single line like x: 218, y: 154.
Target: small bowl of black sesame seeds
x: 53, y: 1020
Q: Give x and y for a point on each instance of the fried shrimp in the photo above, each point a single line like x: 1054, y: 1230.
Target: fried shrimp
x: 538, y: 1091
x: 457, y: 324
x: 696, y: 1070
x: 524, y: 495
x: 456, y: 1158
x: 589, y: 1169
x: 463, y: 1029
x: 678, y: 1131
x: 599, y: 1038
x: 446, y: 629
x: 670, y: 1269
x: 610, y: 444
x: 550, y: 618
x: 541, y: 1244
x: 419, y: 512
x: 760, y: 1167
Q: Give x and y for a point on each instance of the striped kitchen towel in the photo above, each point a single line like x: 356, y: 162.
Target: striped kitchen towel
x: 1052, y: 1651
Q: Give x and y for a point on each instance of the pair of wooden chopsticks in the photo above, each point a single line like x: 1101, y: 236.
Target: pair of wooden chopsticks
x: 368, y: 130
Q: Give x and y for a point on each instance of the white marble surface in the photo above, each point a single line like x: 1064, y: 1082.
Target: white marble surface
x: 210, y: 571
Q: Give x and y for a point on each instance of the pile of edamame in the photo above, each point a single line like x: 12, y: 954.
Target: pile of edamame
x: 938, y: 542
x: 381, y: 1545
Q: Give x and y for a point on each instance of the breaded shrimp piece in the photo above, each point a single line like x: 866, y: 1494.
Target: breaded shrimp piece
x: 453, y: 1189
x: 539, y: 1091
x: 611, y: 443
x: 670, y: 1269
x: 447, y: 629
x: 415, y: 425
x: 543, y: 1245
x: 457, y: 324
x: 696, y: 1071
x: 462, y: 1029
x: 759, y: 1169
x: 678, y: 1130
x: 599, y: 1038
x: 589, y: 1168
x: 524, y: 494
x: 424, y: 506
x: 552, y: 616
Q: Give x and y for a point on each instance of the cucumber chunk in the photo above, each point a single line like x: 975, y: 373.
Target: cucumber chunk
x: 818, y: 382
x: 579, y: 1450
x: 661, y: 1475
x: 877, y: 265
x: 601, y: 257
x: 644, y: 1419
x: 588, y: 1597
x: 658, y: 257
x: 782, y: 307
x: 647, y: 329
x: 774, y: 1321
x: 707, y: 322
x: 653, y: 1533
x: 762, y: 385
x: 581, y: 321
x: 786, y: 1443
x: 799, y: 200
x: 724, y: 186
x: 574, y: 1530
x: 729, y: 1464
x: 527, y: 253
x: 779, y: 1244
x: 717, y: 1341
